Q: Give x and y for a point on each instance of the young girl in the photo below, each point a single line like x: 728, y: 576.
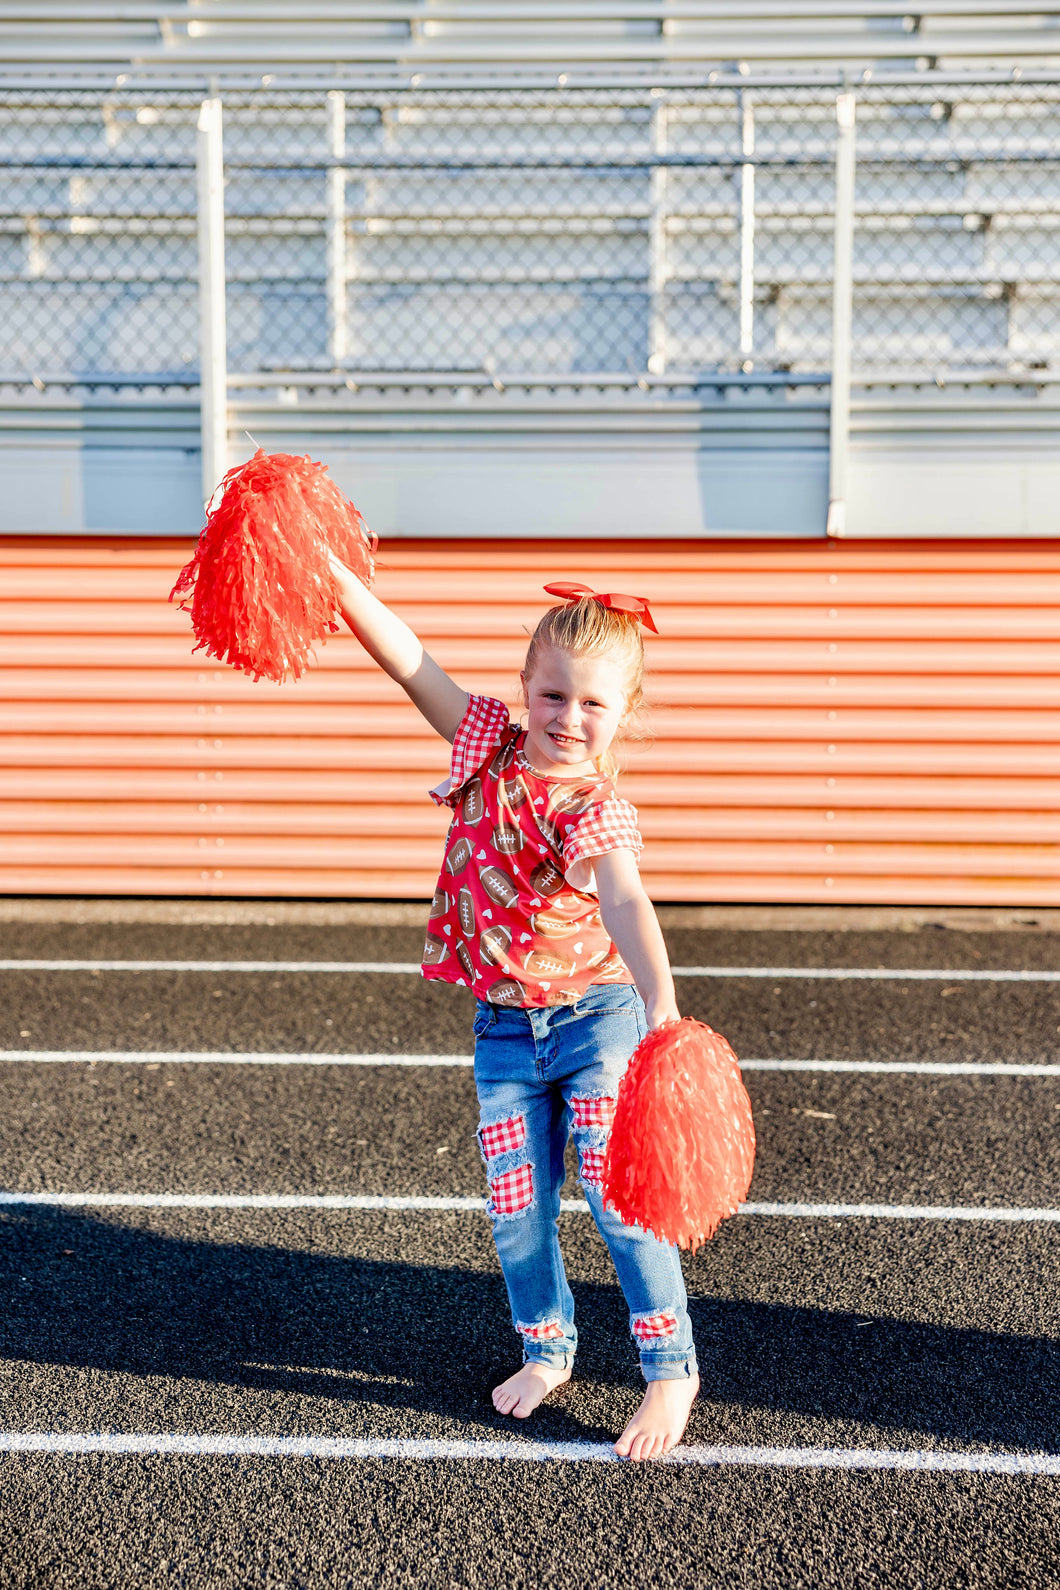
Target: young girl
x: 540, y: 911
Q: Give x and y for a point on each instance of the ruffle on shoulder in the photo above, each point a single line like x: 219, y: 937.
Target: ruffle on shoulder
x: 481, y: 730
x: 610, y: 824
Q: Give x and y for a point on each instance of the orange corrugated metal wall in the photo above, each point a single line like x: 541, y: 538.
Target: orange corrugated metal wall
x: 832, y: 722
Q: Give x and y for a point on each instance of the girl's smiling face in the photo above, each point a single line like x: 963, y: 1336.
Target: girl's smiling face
x: 575, y: 706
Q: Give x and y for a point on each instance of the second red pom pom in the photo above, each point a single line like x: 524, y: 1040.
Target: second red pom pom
x: 682, y: 1145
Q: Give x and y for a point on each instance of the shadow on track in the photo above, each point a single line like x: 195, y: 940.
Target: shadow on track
x: 80, y: 1291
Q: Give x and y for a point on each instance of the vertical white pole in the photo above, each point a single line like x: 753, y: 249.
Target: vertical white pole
x: 747, y: 236
x: 213, y: 355
x: 657, y: 349
x: 842, y: 316
x: 338, y: 332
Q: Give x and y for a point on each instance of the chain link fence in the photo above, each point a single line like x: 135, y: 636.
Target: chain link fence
x: 540, y: 239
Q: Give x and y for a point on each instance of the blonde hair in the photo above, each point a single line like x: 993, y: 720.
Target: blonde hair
x: 587, y: 628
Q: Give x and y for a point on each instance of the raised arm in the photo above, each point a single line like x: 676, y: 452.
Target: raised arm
x: 396, y: 649
x: 629, y: 917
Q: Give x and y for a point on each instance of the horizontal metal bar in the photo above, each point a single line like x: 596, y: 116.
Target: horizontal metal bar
x: 622, y: 378
x: 617, y: 162
x: 329, y: 46
x: 421, y: 82
x: 573, y: 11
x: 353, y: 379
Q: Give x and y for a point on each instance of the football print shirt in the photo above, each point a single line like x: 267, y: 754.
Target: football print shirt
x: 506, y: 920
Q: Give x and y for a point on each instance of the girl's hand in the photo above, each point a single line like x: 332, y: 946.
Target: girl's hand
x: 662, y: 1016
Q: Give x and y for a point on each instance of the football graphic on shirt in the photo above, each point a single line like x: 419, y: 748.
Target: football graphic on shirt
x: 459, y: 855
x: 435, y: 950
x: 463, y: 955
x: 508, y: 839
x: 572, y: 905
x: 511, y: 792
x: 502, y: 759
x: 499, y: 886
x: 465, y: 911
x: 474, y: 801
x: 495, y: 944
x: 551, y: 926
x: 612, y: 969
x: 549, y: 833
x: 546, y: 878
x: 548, y: 963
x: 571, y: 800
x: 440, y: 904
x: 506, y: 992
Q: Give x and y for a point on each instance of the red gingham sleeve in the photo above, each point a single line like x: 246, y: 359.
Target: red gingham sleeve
x: 609, y: 825
x: 480, y: 731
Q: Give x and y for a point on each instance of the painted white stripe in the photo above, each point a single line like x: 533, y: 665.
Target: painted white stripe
x: 104, y: 1200
x: 411, y: 968
x: 135, y: 1443
x: 226, y: 1057
x: 875, y: 974
x: 967, y: 1068
x: 571, y: 1206
x: 209, y: 966
x: 900, y: 1212
x: 934, y: 1068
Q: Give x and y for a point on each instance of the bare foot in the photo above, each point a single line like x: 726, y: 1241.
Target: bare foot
x: 521, y: 1392
x: 659, y: 1422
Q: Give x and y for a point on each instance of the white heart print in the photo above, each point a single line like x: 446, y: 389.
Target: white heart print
x: 481, y: 856
x: 447, y: 928
x: 488, y: 915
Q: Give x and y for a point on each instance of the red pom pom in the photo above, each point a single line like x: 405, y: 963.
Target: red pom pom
x: 682, y: 1145
x: 259, y: 588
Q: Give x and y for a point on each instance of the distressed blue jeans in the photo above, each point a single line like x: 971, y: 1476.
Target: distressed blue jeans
x: 543, y: 1075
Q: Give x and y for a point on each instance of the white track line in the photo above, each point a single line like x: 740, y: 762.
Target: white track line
x: 134, y: 1443
x: 226, y: 1057
x: 412, y: 968
x: 964, y: 1068
x: 934, y: 1068
x: 570, y: 1206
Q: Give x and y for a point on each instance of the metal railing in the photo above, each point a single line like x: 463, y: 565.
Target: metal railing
x: 647, y: 239
x: 501, y: 32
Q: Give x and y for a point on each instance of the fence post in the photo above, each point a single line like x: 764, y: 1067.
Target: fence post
x: 213, y: 354
x: 842, y: 316
x: 338, y: 336
x: 747, y: 234
x: 657, y: 264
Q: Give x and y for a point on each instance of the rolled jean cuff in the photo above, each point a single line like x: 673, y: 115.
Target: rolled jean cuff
x: 668, y: 1366
x: 551, y: 1358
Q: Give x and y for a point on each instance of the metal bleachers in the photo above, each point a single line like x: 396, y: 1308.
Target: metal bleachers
x: 534, y: 234
x: 782, y: 33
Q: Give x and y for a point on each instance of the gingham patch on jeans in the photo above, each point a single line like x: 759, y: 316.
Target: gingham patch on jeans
x: 592, y: 1112
x: 592, y: 1166
x: 647, y: 1326
x: 547, y: 1331
x: 501, y: 1137
x: 513, y: 1191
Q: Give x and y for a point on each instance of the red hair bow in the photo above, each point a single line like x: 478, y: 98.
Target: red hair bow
x: 571, y: 591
